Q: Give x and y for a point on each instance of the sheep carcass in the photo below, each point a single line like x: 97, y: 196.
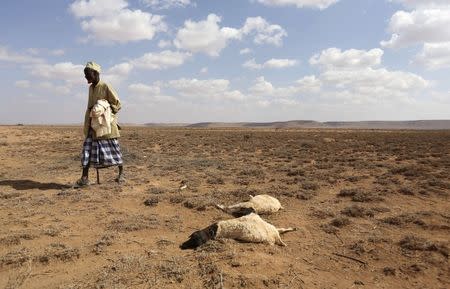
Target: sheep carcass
x: 260, y: 204
x: 248, y: 228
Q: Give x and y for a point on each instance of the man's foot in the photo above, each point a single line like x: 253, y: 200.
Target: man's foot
x: 120, y: 179
x: 83, y: 182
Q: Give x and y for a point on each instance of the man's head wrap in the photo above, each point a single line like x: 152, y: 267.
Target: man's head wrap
x: 94, y: 66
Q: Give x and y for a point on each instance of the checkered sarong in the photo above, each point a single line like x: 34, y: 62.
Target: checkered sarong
x: 101, y: 153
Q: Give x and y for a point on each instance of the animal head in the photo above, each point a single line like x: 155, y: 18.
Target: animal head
x: 200, y: 237
x: 239, y: 212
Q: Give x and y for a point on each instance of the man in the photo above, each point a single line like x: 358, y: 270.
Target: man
x: 102, y: 151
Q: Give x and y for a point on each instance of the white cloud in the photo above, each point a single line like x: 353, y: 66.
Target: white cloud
x: 435, y: 55
x: 251, y: 64
x: 370, y: 85
x: 346, y: 77
x: 66, y: 71
x: 245, y: 51
x: 142, y: 94
x: 334, y: 58
x: 11, y: 56
x: 205, y: 36
x: 204, y: 70
x: 162, y: 60
x: 303, y: 87
x: 423, y: 3
x: 320, y: 4
x: 418, y: 26
x: 143, y: 89
x: 55, y: 89
x: 208, y: 37
x: 22, y: 83
x: 111, y: 21
x: 57, y: 52
x: 164, y: 44
x: 271, y: 63
x: 262, y: 87
x: 266, y: 33
x: 92, y: 8
x: 166, y: 4
x: 118, y: 73
x: 210, y: 89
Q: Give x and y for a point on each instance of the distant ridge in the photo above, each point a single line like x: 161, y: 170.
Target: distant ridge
x: 413, y: 124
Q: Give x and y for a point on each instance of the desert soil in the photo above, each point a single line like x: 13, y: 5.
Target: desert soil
x: 371, y: 207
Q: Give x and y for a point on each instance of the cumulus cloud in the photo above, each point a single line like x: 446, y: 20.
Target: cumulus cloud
x: 92, y: 8
x: 111, y: 21
x: 147, y: 94
x: 423, y: 3
x: 164, y: 43
x: 118, y: 73
x: 22, y: 83
x: 208, y: 37
x: 346, y: 77
x: 10, y: 56
x: 319, y: 4
x: 209, y: 89
x: 418, y: 26
x: 265, y: 33
x: 162, y: 60
x: 205, y: 36
x: 66, y: 71
x: 334, y: 58
x: 302, y: 87
x: 245, y: 51
x: 166, y: 4
x: 354, y: 76
x: 271, y: 63
x: 434, y: 55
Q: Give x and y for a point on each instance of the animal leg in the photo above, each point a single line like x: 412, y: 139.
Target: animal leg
x: 285, y: 230
x: 280, y: 242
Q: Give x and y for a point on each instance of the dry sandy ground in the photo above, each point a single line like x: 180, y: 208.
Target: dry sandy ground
x: 372, y: 208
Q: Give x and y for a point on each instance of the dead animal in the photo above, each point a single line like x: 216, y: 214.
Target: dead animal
x: 250, y: 228
x: 260, y: 204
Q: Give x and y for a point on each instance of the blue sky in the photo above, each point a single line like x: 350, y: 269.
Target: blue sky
x: 227, y: 60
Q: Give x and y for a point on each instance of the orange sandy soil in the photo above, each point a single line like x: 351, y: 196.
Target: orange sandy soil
x: 371, y: 207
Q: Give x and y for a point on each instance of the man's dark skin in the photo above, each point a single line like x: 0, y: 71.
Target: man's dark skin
x: 93, y: 77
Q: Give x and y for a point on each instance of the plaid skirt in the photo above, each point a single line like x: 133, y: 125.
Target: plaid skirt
x: 101, y: 153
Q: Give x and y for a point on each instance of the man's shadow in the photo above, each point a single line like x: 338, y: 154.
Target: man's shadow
x: 29, y: 185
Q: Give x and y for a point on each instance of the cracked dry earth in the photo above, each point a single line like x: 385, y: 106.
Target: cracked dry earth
x: 371, y: 207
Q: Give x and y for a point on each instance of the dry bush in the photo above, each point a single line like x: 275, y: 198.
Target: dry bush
x: 404, y: 219
x: 15, y: 258
x: 105, y: 241
x: 134, y: 223
x: 415, y: 243
x: 340, y: 222
x: 173, y: 269
x: 60, y: 252
x: 357, y: 212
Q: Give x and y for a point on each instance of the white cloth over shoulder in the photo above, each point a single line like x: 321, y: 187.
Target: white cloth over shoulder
x: 101, y: 118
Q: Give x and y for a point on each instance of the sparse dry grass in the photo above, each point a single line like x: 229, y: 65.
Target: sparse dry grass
x: 380, y: 197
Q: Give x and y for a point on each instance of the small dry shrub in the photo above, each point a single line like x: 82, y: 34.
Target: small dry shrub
x: 313, y: 186
x: 348, y: 192
x: 134, y: 223
x: 406, y: 191
x: 340, y: 222
x: 15, y: 258
x: 357, y: 212
x: 59, y: 251
x: 157, y: 190
x: 415, y: 243
x: 173, y: 269
x: 151, y: 202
